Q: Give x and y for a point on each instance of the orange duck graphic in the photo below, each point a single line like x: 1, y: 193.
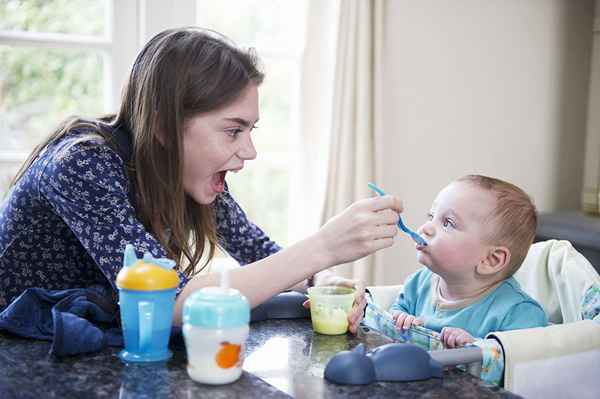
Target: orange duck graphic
x: 229, y: 355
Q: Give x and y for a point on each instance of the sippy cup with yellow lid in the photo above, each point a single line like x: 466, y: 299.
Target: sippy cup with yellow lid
x: 147, y: 299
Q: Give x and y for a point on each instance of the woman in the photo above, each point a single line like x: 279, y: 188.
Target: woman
x: 154, y: 175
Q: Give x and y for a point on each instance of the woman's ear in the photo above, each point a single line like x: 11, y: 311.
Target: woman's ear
x: 497, y: 259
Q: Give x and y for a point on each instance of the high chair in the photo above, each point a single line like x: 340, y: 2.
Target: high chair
x: 561, y: 360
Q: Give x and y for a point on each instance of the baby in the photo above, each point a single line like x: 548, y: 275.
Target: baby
x: 478, y: 233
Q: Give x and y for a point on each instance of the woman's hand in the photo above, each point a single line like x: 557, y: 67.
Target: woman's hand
x: 361, y: 229
x: 360, y: 301
x: 454, y: 337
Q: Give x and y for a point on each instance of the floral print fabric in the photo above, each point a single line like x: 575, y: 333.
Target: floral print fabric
x: 66, y: 222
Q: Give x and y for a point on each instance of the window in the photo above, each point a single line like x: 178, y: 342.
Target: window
x: 275, y: 28
x: 56, y: 60
x: 70, y: 57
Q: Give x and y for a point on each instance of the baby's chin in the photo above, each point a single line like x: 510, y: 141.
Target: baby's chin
x: 424, y: 260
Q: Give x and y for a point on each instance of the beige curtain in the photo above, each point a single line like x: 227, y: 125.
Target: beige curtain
x: 356, y: 121
x: 591, y: 182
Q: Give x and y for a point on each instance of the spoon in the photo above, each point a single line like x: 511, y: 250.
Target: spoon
x: 417, y: 238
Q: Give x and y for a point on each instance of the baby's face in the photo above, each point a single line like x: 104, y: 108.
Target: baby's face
x: 456, y: 230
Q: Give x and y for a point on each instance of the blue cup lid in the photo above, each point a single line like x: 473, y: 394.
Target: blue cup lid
x: 216, y: 307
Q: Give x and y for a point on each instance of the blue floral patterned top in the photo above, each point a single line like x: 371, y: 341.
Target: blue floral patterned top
x: 66, y: 222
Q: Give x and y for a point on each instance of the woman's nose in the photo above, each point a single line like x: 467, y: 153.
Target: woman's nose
x: 247, y: 150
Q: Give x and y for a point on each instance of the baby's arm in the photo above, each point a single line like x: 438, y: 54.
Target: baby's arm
x: 454, y: 337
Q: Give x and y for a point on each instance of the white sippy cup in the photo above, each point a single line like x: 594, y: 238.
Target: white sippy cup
x: 215, y: 328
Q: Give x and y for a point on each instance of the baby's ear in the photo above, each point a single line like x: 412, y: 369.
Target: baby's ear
x: 497, y: 260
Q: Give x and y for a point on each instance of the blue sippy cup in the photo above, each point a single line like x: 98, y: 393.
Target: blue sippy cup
x: 147, y: 299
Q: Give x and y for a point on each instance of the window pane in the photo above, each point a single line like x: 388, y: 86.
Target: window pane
x: 261, y: 188
x: 278, y: 95
x: 82, y: 17
x: 276, y: 29
x: 8, y: 169
x: 275, y: 25
x: 41, y: 87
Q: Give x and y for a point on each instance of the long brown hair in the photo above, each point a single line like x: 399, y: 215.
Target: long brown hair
x: 179, y: 73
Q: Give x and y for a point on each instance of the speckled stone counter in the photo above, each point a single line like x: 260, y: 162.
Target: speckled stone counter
x: 283, y: 358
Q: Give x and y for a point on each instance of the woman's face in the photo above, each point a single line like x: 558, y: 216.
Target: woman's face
x: 217, y: 142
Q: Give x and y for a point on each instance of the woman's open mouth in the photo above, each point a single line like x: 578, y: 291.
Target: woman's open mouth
x: 218, y: 181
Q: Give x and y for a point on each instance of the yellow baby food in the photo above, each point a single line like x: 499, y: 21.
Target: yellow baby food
x: 329, y: 321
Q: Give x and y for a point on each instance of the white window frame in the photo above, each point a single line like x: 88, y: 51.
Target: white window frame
x: 117, y: 46
x: 129, y: 25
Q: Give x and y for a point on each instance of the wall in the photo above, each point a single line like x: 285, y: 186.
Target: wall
x: 492, y: 87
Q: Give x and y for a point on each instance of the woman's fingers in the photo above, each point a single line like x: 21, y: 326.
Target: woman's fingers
x: 356, y: 315
x: 387, y: 216
x: 385, y: 231
x: 360, y: 303
x: 385, y: 202
x: 360, y: 230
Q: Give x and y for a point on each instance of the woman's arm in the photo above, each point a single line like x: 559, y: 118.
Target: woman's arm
x: 363, y: 228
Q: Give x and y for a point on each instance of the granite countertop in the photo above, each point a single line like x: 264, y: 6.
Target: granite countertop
x: 283, y: 358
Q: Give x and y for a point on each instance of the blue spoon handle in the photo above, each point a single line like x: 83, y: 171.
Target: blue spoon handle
x: 417, y: 238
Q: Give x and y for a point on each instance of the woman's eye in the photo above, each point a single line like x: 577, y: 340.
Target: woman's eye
x: 233, y: 132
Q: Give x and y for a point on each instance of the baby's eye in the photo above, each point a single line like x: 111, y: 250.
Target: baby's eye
x: 448, y: 223
x: 429, y: 216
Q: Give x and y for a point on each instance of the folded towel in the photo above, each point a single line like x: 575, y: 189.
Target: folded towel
x: 76, y: 320
x: 561, y: 360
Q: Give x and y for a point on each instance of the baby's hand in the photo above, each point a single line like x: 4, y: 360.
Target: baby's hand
x: 454, y: 337
x: 405, y: 320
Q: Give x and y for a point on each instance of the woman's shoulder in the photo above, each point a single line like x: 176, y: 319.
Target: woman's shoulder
x: 83, y: 157
x: 79, y: 145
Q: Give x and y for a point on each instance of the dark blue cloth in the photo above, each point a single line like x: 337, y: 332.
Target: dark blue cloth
x: 65, y: 223
x: 75, y: 320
